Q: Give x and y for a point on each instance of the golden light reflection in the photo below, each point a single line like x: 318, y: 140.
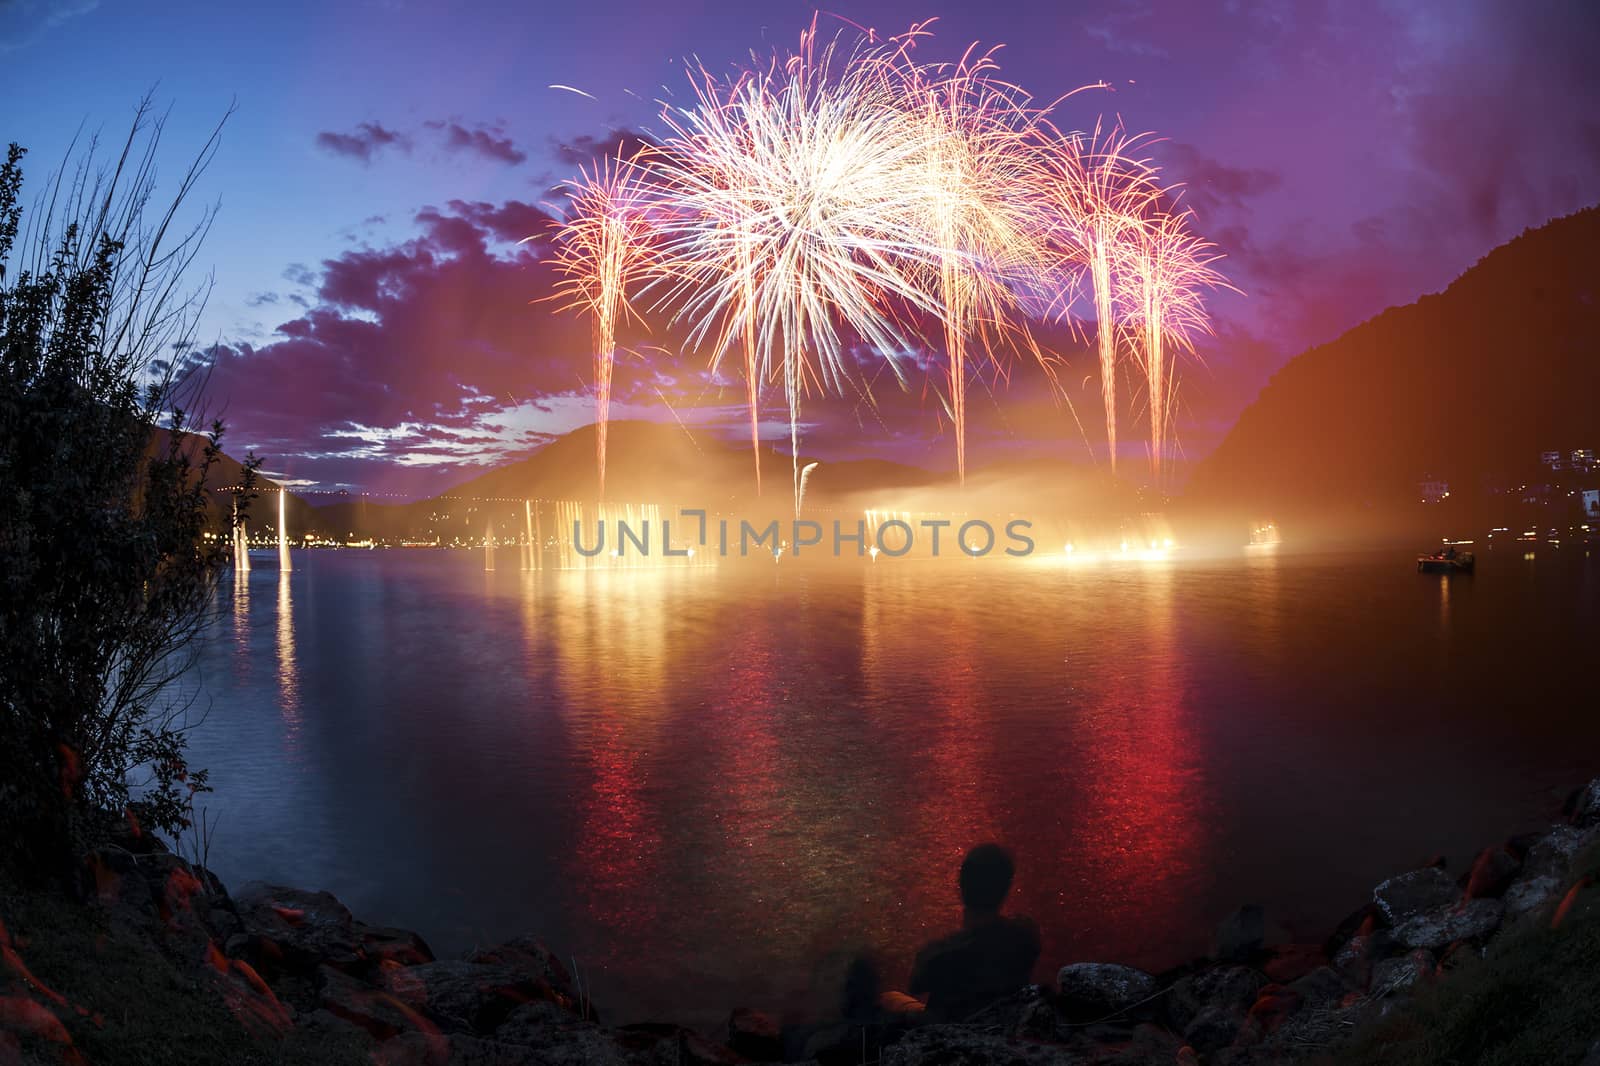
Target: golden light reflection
x: 241, y: 618
x: 940, y: 798
x: 1141, y: 839
x: 288, y: 668
x: 610, y: 635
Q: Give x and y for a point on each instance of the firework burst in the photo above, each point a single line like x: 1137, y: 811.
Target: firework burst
x: 603, y: 250
x: 1165, y: 268
x: 792, y: 221
x: 1093, y: 197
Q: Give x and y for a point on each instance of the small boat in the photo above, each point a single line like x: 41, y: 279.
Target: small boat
x: 1445, y: 561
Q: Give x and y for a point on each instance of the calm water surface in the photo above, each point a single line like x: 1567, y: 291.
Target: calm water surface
x: 702, y: 783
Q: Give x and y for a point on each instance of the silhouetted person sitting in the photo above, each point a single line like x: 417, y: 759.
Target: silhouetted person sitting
x: 991, y: 957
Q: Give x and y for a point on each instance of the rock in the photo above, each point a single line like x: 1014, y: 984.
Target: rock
x: 382, y: 945
x: 294, y: 931
x: 1395, y: 975
x: 1357, y: 923
x: 1491, y: 874
x: 1241, y: 933
x: 1272, y: 1006
x: 1552, y: 855
x: 1476, y: 918
x: 468, y: 996
x: 1411, y: 894
x: 1530, y: 893
x: 959, y: 1045
x: 665, y: 1043
x: 533, y: 958
x: 1293, y: 961
x: 1036, y: 1020
x: 593, y: 1047
x: 755, y: 1035
x: 1321, y: 987
x: 1232, y: 989
x: 112, y: 879
x: 1092, y: 989
x: 1213, y: 1028
x: 1586, y: 806
x: 380, y: 1014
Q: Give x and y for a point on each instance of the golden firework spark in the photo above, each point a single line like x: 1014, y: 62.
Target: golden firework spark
x: 603, y: 250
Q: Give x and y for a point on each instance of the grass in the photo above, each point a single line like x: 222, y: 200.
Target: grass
x: 1531, y: 999
x: 138, y: 1006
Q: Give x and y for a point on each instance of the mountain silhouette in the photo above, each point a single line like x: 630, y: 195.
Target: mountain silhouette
x: 1467, y: 386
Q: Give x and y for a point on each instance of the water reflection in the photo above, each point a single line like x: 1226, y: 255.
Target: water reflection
x: 1138, y: 838
x: 241, y: 617
x: 698, y: 781
x: 609, y: 631
x: 288, y: 668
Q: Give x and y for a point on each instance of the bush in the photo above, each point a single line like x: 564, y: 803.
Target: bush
x: 109, y: 546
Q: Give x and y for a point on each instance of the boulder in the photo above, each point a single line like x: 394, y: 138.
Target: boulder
x: 664, y: 1042
x: 1435, y: 929
x: 1491, y: 874
x: 1272, y: 1006
x: 1395, y: 975
x: 1357, y: 923
x: 1292, y: 962
x: 1213, y: 1028
x: 1409, y: 895
x: 592, y: 1048
x: 1241, y: 934
x: 966, y: 1046
x: 1230, y: 989
x: 1092, y: 989
x: 755, y: 1034
x: 378, y: 1013
x: 1552, y: 855
x: 1322, y: 987
x: 1586, y: 806
x: 1530, y: 893
x: 468, y: 996
x: 290, y: 930
x: 382, y: 946
x: 532, y: 957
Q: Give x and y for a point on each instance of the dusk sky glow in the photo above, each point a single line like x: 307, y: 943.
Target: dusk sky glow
x: 374, y: 311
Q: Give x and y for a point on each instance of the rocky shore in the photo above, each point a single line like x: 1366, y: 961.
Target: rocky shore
x: 296, y: 969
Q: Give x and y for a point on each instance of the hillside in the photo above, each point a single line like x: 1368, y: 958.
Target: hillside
x: 1468, y: 385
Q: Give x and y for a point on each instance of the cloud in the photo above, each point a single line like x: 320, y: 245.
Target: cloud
x: 22, y: 22
x: 367, y: 139
x: 586, y: 150
x: 1210, y: 187
x: 488, y: 141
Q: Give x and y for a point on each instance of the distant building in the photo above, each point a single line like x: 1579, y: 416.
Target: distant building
x: 1432, y: 490
x: 1550, y: 459
x: 1582, y: 459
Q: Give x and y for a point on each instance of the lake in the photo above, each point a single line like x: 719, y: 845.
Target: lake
x: 705, y: 784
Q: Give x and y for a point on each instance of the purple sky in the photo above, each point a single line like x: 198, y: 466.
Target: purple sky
x: 375, y: 318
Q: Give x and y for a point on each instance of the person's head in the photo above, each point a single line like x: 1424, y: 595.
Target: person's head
x: 986, y: 878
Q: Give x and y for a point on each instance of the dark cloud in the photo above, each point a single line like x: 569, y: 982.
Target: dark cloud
x: 367, y: 139
x: 1210, y: 187
x: 436, y: 353
x: 1503, y: 120
x: 586, y: 150
x: 488, y: 141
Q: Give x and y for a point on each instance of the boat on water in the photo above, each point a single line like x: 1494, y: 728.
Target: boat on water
x: 1446, y: 560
